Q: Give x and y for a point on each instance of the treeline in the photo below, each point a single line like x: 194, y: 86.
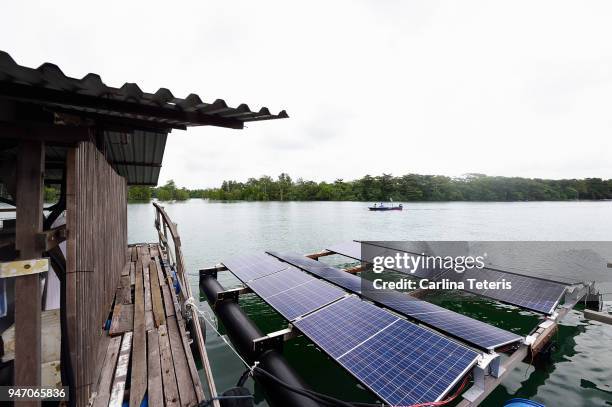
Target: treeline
x: 411, y: 187
x: 168, y: 192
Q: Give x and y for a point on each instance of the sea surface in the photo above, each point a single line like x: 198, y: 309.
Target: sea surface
x: 578, y: 372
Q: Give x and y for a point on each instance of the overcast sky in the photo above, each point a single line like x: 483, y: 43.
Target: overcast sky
x: 502, y: 88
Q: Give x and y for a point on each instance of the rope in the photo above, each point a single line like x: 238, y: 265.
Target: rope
x: 190, y: 303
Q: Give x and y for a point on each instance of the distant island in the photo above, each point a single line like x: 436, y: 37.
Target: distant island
x: 411, y: 187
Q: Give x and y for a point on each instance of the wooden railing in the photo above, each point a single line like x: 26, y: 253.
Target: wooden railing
x: 166, y: 229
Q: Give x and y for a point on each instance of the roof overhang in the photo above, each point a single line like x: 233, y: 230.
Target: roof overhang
x: 129, y: 124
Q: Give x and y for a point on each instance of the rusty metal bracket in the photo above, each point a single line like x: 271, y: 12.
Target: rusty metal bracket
x: 23, y: 267
x: 273, y: 340
x: 232, y: 294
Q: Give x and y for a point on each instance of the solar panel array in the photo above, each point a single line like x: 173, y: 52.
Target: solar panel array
x: 527, y: 292
x: 472, y: 331
x: 401, y: 362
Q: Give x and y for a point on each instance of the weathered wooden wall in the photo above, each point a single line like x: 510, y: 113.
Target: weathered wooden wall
x: 96, y: 210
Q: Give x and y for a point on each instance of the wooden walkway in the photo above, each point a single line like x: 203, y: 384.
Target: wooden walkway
x: 148, y: 355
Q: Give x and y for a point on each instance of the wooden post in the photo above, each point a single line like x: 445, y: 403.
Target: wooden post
x: 29, y: 199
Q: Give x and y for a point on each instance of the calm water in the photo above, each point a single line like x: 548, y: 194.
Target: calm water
x: 579, y: 373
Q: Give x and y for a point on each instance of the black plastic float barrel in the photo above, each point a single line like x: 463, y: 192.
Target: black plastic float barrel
x: 242, y: 331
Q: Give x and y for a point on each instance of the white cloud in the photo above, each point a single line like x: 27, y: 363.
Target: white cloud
x: 503, y: 88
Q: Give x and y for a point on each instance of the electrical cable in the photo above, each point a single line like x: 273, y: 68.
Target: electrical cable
x: 445, y: 401
x: 318, y: 397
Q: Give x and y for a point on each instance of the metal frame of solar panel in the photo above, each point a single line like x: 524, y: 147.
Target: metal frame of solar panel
x: 401, y: 362
x: 287, y: 289
x: 533, y: 293
x: 475, y: 332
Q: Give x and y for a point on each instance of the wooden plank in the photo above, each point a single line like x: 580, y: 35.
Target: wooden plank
x: 71, y: 259
x: 598, y: 316
x: 168, y: 301
x: 195, y: 377
x: 108, y: 372
x: 116, y: 398
x: 147, y: 299
x: 123, y: 319
x: 154, y: 251
x: 138, y: 382
x: 167, y: 368
x: 20, y: 268
x: 159, y: 316
x: 181, y: 366
x: 177, y: 307
x: 144, y: 255
x: 29, y: 199
x: 160, y: 272
x: 154, y: 392
x: 50, y: 338
x: 124, y: 293
x: 126, y: 270
x: 134, y: 254
x: 132, y: 273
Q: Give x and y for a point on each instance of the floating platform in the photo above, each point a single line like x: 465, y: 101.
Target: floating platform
x: 405, y: 350
x: 148, y: 354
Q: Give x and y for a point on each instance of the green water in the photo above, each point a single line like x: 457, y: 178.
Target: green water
x: 579, y: 372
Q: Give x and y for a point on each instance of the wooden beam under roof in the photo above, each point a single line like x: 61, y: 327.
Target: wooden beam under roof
x: 30, y: 169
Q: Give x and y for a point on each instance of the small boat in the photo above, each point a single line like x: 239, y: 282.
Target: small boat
x: 386, y: 208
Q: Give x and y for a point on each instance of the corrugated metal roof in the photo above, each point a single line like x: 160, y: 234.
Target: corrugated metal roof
x: 48, y: 85
x: 137, y: 156
x: 147, y: 118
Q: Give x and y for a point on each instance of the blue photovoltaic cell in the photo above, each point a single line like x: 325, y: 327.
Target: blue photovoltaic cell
x: 460, y: 326
x: 341, y: 326
x: 470, y: 330
x: 531, y: 293
x: 367, y: 252
x: 401, y: 362
x: 340, y: 278
x: 526, y: 292
x: 406, y: 364
x: 283, y: 280
x: 294, y: 293
x: 251, y: 266
x: 349, y: 249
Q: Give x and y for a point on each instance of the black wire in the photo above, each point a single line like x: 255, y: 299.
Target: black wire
x: 207, y: 403
x: 322, y: 398
x: 243, y: 378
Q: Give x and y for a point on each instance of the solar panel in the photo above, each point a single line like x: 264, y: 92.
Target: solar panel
x: 341, y: 326
x: 252, y: 266
x: 342, y: 279
x: 349, y: 249
x: 399, y: 361
x: 527, y: 292
x: 367, y: 252
x: 283, y: 280
x: 471, y: 330
x: 475, y: 332
x: 406, y: 364
x: 294, y: 293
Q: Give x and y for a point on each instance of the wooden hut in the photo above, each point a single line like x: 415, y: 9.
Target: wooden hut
x: 93, y: 140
